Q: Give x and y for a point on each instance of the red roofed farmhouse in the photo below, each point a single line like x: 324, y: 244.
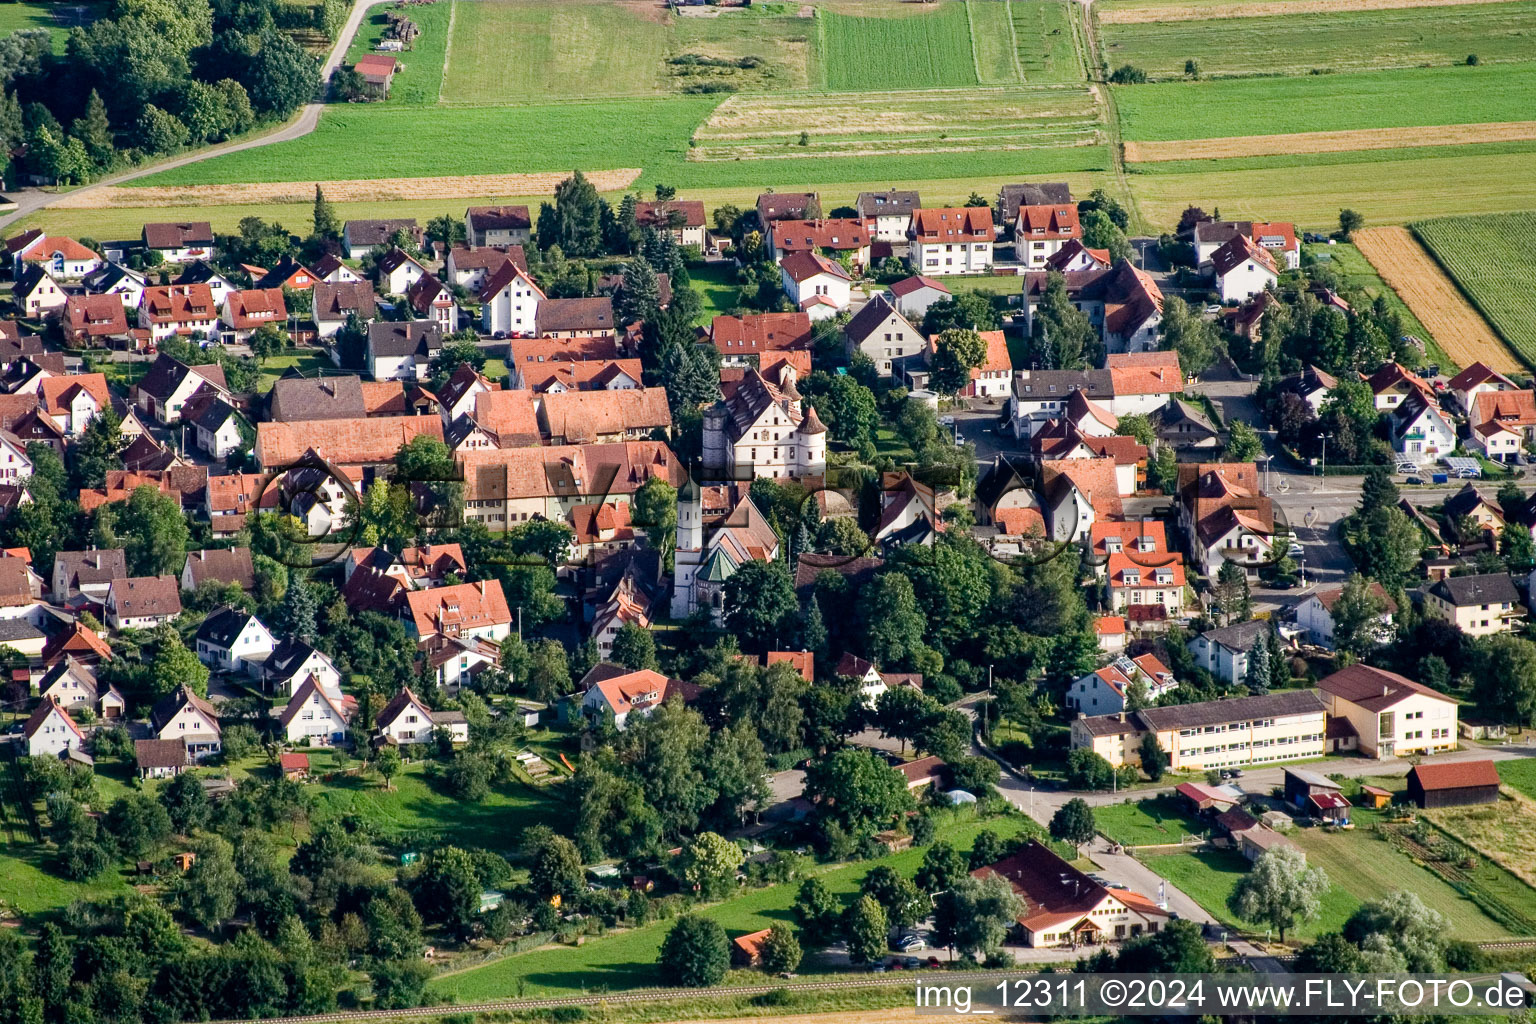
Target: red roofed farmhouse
x: 1064, y: 907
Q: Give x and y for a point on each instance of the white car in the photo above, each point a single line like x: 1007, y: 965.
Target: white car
x: 1295, y: 550
x: 911, y: 943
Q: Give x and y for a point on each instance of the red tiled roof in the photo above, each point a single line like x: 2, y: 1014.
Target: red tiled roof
x: 954, y: 224
x: 802, y: 266
x: 1048, y: 222
x: 451, y: 610
x: 179, y: 303
x: 755, y: 333
x: 1375, y: 689
x: 255, y: 306
x: 1456, y: 775
x: 908, y: 285
x: 95, y: 316
x: 842, y: 234
x: 344, y: 442
x: 1145, y: 373
x: 659, y: 214
x: 1239, y: 250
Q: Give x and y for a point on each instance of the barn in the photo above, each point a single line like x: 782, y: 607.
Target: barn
x: 1455, y: 784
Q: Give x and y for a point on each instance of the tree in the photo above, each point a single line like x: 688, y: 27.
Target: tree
x: 446, y: 229
x: 857, y: 790
x: 1385, y: 545
x: 1073, y: 823
x: 710, y: 863
x: 160, y: 131
x: 153, y: 532
x: 1350, y: 222
x: 975, y: 914
x: 760, y: 605
x: 387, y: 764
x: 1128, y: 74
x: 969, y: 311
x: 1257, y: 678
x: 1401, y: 922
x: 695, y: 953
x: 1154, y: 759
x: 1504, y: 686
x: 654, y: 506
x: 186, y: 802
x: 1280, y: 890
x: 398, y: 984
x: 904, y: 903
x: 574, y: 222
x: 1100, y: 232
x: 816, y: 911
x: 1088, y: 770
x: 554, y: 864
x: 1332, y: 953
x: 1231, y: 592
x: 1357, y: 625
x: 174, y: 666
x: 942, y: 867
x: 1064, y: 336
x: 1191, y: 335
x: 639, y: 299
x: 634, y: 647
x: 299, y: 610
x: 326, y: 223
x: 53, y: 966
x: 956, y: 353
x: 893, y: 625
x: 780, y: 953
x: 447, y: 888
x: 1378, y: 490
x: 207, y: 891
x: 1243, y: 444
x: 1179, y: 948
x: 97, y: 449
x: 1192, y: 69
x: 95, y: 132
x: 865, y: 929
x: 281, y: 76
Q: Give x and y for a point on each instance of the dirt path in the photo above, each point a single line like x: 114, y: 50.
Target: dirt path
x: 1434, y: 298
x: 1262, y: 9
x: 1329, y: 142
x: 366, y: 190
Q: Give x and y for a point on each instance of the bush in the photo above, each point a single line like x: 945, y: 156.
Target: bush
x: 1128, y: 74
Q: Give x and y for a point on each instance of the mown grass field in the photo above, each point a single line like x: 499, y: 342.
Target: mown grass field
x: 1416, y: 97
x: 992, y: 43
x: 628, y: 959
x: 56, y: 18
x: 1210, y: 876
x: 922, y: 51
x: 1493, y: 261
x: 554, y: 56
x: 1338, y: 40
x: 421, y: 77
x: 1153, y: 822
x: 1047, y: 51
x: 1520, y: 774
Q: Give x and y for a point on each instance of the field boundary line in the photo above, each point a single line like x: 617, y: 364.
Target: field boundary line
x: 970, y: 25
x: 1344, y: 141
x: 1410, y: 269
x: 1013, y: 41
x: 1269, y: 9
x: 442, y: 82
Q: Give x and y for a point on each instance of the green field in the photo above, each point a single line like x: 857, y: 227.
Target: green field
x: 420, y: 78
x: 555, y: 57
x: 1046, y: 47
x: 1409, y: 98
x: 1520, y: 774
x: 1360, y: 866
x: 1152, y: 822
x: 1405, y: 37
x: 1492, y: 260
x: 628, y: 959
x: 926, y: 50
x: 56, y: 18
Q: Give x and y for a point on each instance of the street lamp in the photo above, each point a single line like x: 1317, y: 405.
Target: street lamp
x: 1324, y: 469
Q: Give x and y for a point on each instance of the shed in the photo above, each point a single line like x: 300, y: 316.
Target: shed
x: 1375, y: 796
x: 747, y: 950
x: 1301, y: 784
x: 1258, y: 841
x: 1453, y: 785
x: 294, y: 765
x: 1329, y: 806
x: 1207, y: 798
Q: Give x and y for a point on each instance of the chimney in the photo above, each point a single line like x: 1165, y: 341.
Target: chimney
x: 1122, y: 716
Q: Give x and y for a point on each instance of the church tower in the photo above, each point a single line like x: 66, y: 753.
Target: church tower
x: 689, y: 554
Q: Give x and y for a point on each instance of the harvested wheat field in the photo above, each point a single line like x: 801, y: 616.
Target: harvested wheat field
x: 375, y: 190
x: 1328, y: 142
x: 1434, y: 298
x: 1139, y: 14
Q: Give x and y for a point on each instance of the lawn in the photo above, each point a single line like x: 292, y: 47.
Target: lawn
x: 420, y: 78
x: 1337, y: 40
x: 1386, y: 188
x: 1493, y: 261
x: 28, y: 884
x: 1417, y: 97
x: 1521, y: 774
x: 1152, y: 822
x: 628, y: 959
x: 716, y: 285
x: 309, y: 362
x: 921, y: 50
x: 56, y: 18
x: 1355, y: 271
x: 1210, y: 876
x: 418, y: 807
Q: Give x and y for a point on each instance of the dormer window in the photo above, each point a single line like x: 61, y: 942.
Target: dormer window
x: 1133, y: 579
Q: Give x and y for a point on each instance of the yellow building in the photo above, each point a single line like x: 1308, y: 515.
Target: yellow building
x: 1268, y: 728
x: 1479, y: 605
x: 1392, y: 715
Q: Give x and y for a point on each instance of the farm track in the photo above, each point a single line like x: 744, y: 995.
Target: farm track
x: 1410, y: 271
x: 1328, y: 142
x: 1264, y: 9
x: 1093, y: 67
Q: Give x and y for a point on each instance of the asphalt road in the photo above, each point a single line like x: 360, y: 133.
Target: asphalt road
x: 30, y: 200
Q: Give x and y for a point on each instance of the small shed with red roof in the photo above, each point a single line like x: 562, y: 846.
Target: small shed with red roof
x: 1454, y: 784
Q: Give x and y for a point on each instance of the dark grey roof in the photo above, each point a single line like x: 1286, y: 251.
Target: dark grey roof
x: 1239, y: 709
x: 1049, y: 193
x: 199, y: 272
x: 223, y: 625
x: 102, y: 565
x: 594, y: 314
x: 107, y: 276
x: 1179, y: 411
x: 869, y: 318
x: 296, y: 399
x: 1465, y: 591
x: 377, y: 232
x: 335, y: 302
x: 14, y: 630
x: 405, y: 338
x: 286, y: 659
x: 31, y: 275
x: 877, y: 204
x: 1239, y: 637
x: 213, y: 415
x: 1110, y: 725
x: 1045, y: 385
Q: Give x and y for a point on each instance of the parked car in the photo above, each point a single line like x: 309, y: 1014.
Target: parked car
x: 912, y: 963
x: 946, y: 421
x: 1213, y: 309
x: 1295, y: 550
x: 878, y: 967
x: 1414, y: 480
x: 933, y: 961
x: 911, y: 943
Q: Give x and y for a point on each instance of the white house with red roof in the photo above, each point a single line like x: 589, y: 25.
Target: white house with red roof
x: 1064, y: 907
x: 842, y: 236
x: 1225, y: 515
x: 1393, y: 383
x: 50, y: 732
x: 1063, y: 440
x: 994, y: 377
x: 250, y: 308
x: 1148, y: 589
x: 819, y: 287
x: 315, y: 717
x: 509, y: 302
x: 1078, y: 493
x: 1502, y: 422
x: 1421, y: 431
x: 1074, y: 255
x: 952, y: 240
x: 1243, y: 269
x: 913, y: 295
x: 1477, y: 379
x: 1104, y: 691
x: 1278, y: 237
x: 467, y: 609
x: 633, y: 693
x: 63, y: 258
x: 1039, y: 232
x: 1111, y: 633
